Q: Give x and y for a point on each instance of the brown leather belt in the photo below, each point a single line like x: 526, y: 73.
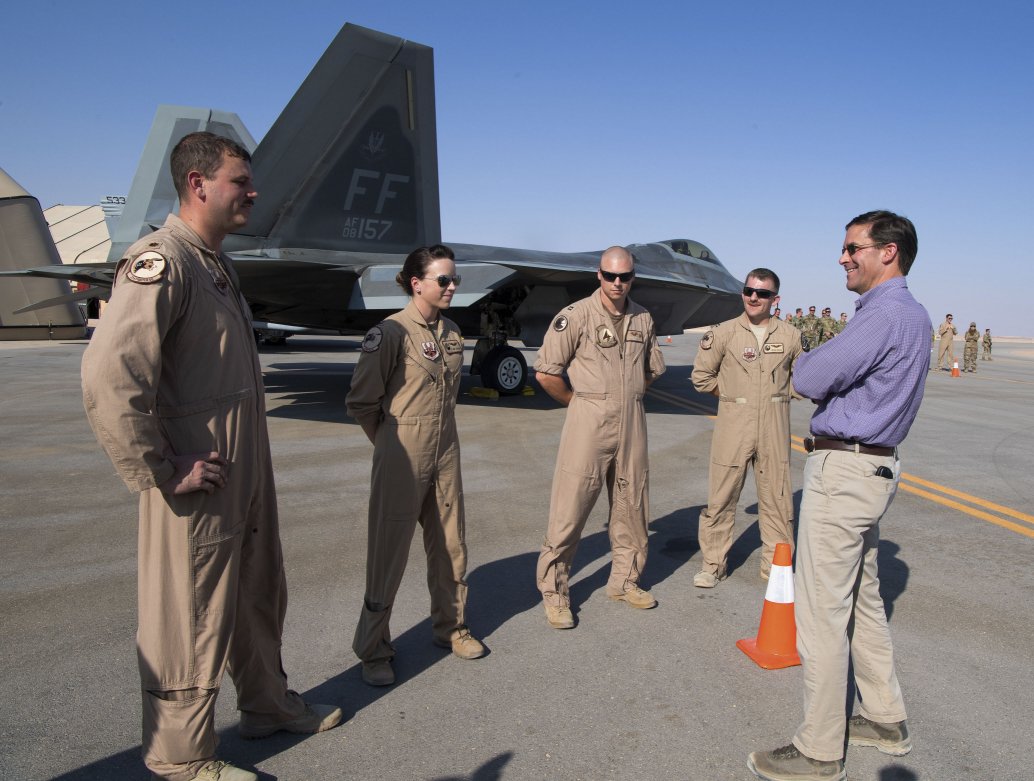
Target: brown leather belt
x: 819, y: 443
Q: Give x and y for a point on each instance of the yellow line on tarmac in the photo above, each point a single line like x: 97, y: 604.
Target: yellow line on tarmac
x: 907, y: 479
x: 971, y: 499
x: 968, y: 510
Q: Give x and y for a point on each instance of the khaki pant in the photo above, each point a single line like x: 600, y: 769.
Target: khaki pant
x: 947, y: 347
x: 212, y: 596
x: 599, y: 446
x: 839, y: 611
x: 412, y: 484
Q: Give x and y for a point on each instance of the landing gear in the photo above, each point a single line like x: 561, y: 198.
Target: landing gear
x: 502, y: 367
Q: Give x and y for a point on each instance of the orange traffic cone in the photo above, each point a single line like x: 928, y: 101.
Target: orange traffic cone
x: 955, y: 370
x: 775, y: 647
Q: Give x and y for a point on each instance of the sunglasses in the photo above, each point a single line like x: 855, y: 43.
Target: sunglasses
x: 852, y: 248
x: 443, y: 280
x: 611, y: 276
x: 760, y: 292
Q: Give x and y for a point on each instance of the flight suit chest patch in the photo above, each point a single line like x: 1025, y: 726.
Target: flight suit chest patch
x: 430, y: 350
x: 452, y: 346
x: 634, y: 336
x: 605, y: 336
x: 220, y: 280
x: 147, y: 268
x: 773, y: 348
x: 750, y: 354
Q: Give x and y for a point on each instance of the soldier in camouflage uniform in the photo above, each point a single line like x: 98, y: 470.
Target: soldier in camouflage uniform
x: 986, y: 355
x: 842, y: 324
x: 810, y: 331
x: 827, y: 326
x: 969, y: 354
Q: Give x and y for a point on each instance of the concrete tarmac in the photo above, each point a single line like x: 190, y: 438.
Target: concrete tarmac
x: 627, y: 694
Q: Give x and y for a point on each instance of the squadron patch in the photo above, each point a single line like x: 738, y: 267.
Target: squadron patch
x: 147, y: 267
x: 773, y: 348
x: 220, y: 280
x: 605, y: 336
x: 372, y: 341
x: 707, y: 340
x: 560, y: 323
x: 750, y: 354
x: 430, y: 350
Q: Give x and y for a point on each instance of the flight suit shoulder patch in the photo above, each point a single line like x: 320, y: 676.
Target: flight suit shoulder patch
x: 773, y: 348
x: 561, y: 322
x: 707, y: 340
x: 147, y: 267
x: 372, y: 340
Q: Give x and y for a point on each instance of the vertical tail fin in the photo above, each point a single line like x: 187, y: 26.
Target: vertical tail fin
x: 152, y: 196
x: 352, y: 161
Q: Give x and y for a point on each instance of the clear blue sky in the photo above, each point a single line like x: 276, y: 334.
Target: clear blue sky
x: 757, y: 128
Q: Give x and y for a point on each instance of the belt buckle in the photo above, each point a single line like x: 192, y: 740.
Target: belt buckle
x: 809, y: 445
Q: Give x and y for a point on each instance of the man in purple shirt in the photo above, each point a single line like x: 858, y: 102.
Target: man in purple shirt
x: 868, y: 384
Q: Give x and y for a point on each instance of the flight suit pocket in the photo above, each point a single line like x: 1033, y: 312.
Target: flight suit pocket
x: 216, y: 564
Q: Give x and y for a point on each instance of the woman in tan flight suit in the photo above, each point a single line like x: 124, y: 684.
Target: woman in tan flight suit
x: 403, y: 394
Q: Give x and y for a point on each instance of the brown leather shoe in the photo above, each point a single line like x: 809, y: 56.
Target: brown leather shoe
x: 464, y: 645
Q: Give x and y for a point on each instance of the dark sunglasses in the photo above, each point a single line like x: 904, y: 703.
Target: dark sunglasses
x: 443, y: 280
x: 611, y: 276
x: 760, y: 292
x: 852, y: 248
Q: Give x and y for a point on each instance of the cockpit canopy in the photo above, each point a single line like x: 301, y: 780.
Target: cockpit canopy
x: 693, y: 249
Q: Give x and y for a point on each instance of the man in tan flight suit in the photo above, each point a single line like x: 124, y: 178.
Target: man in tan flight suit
x: 747, y: 363
x: 607, y: 345
x: 173, y: 389
x: 946, y: 334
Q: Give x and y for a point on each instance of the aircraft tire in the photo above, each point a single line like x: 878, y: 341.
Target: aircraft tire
x: 505, y: 370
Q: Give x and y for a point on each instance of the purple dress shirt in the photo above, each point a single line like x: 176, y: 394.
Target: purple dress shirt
x: 869, y: 380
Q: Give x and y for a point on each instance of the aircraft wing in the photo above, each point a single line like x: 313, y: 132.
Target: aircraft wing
x: 348, y: 185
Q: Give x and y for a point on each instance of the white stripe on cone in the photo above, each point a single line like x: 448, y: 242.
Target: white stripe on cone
x: 780, y: 585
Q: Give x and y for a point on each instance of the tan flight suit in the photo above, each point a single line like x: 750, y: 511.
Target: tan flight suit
x: 753, y: 427
x: 172, y: 369
x: 946, y: 333
x: 405, y: 384
x: 603, y: 440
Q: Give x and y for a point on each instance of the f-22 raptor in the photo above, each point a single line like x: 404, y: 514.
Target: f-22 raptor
x: 348, y: 186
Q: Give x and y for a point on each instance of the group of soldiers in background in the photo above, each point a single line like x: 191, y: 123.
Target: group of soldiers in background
x: 946, y: 353
x: 815, y: 330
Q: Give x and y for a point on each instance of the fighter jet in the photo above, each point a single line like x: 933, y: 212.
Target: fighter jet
x: 348, y: 186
